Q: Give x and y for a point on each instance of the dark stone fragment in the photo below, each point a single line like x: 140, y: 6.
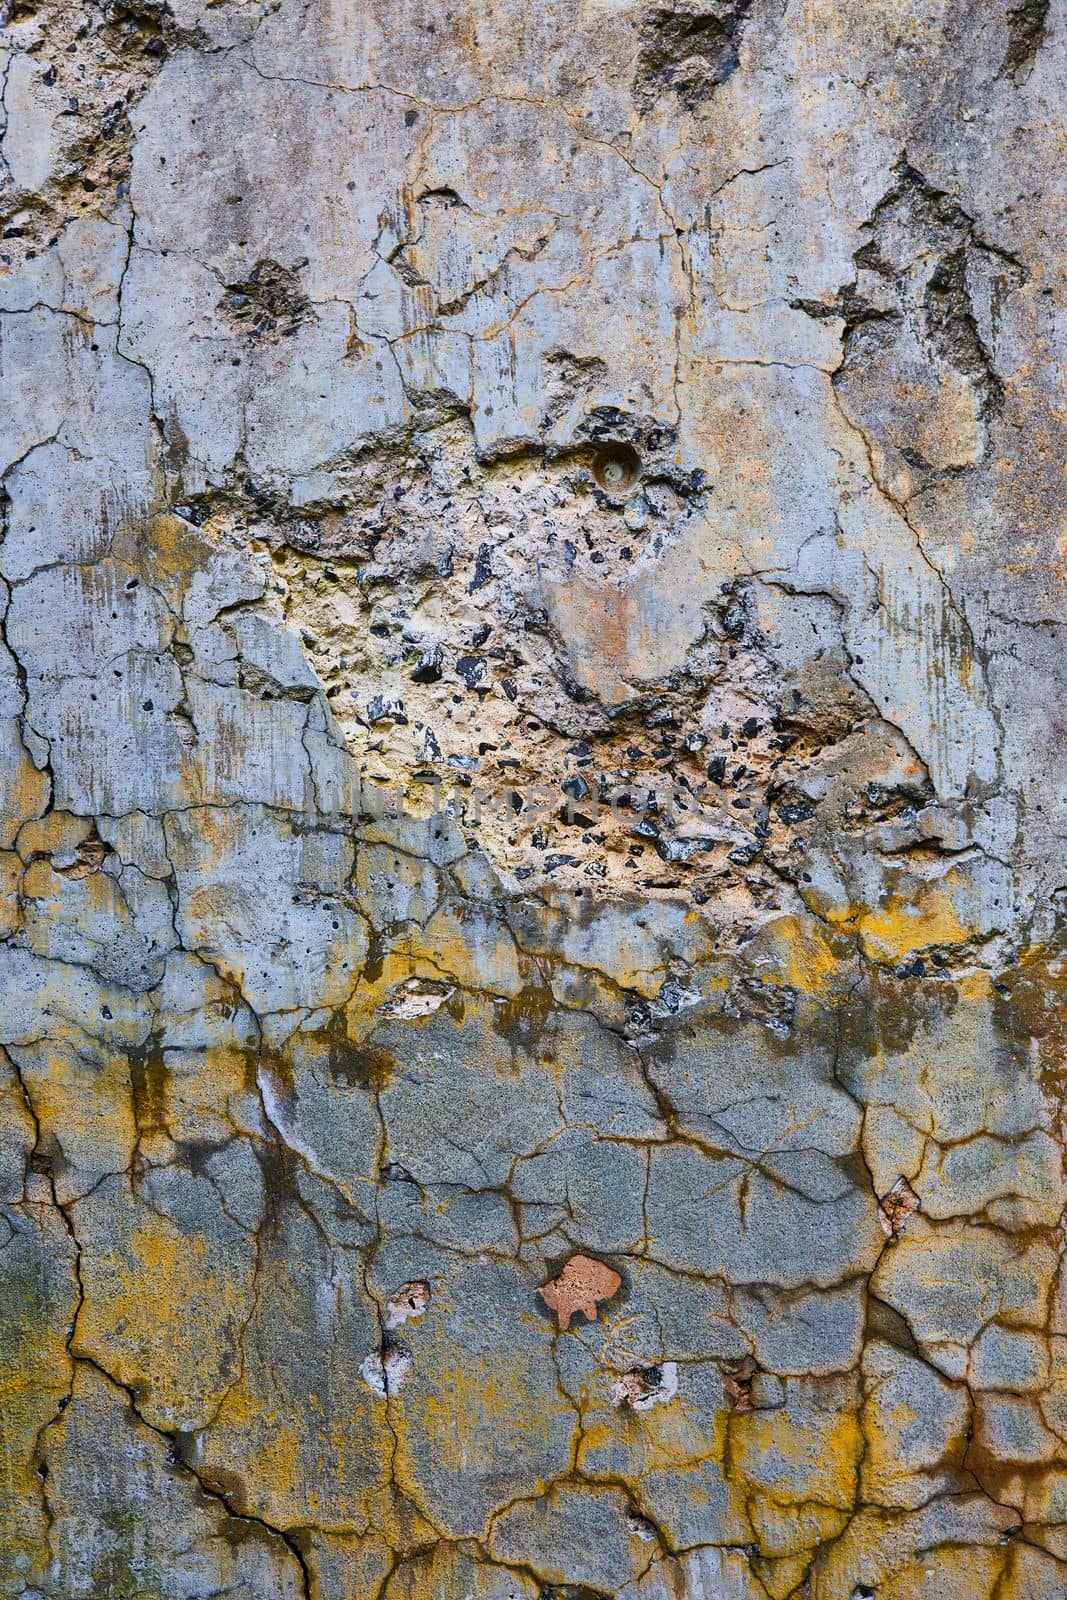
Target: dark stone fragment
x: 734, y: 620
x: 744, y: 854
x: 795, y: 811
x: 383, y: 709
x: 472, y: 670
x: 428, y: 667
x: 483, y: 568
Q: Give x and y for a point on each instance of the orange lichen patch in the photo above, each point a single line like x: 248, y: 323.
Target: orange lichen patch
x: 1031, y: 1008
x: 468, y: 1418
x: 883, y: 1545
x: 268, y: 1457
x: 38, y: 1300
x: 309, y: 1446
x: 44, y: 883
x: 447, y: 1570
x: 350, y: 1566
x: 689, y: 1444
x: 82, y: 1097
x: 581, y: 1286
x: 172, y: 550
x: 58, y: 836
x: 895, y: 1208
x: 809, y: 963
x: 902, y: 926
x: 162, y: 1308
x: 191, y: 1092
x: 782, y: 1576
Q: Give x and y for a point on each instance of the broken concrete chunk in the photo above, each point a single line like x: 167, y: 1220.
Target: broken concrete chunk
x: 386, y: 708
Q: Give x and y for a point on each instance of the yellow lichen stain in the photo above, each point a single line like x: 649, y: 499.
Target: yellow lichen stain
x: 97, y: 895
x: 199, y: 1104
x: 661, y: 1439
x: 476, y: 1417
x: 38, y: 1299
x: 793, y: 951
x: 10, y: 910
x: 1031, y: 1001
x: 269, y: 1457
x: 475, y: 951
x: 24, y: 793
x: 782, y: 1576
x: 808, y: 1503
x: 84, y: 1106
x: 521, y: 1018
x: 902, y: 926
x: 170, y: 550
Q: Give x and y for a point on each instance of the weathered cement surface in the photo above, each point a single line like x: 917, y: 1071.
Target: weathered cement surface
x: 446, y: 400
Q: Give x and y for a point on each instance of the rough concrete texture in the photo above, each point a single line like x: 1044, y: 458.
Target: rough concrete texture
x: 532, y: 891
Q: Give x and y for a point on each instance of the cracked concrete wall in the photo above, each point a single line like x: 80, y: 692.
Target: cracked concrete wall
x: 531, y: 810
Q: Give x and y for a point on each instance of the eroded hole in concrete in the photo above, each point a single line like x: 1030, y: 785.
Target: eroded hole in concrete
x: 617, y: 468
x: 896, y: 1208
x: 645, y: 1387
x: 385, y: 1373
x: 738, y: 1385
x: 88, y: 858
x: 472, y: 623
x: 689, y: 51
x: 1026, y: 33
x: 416, y: 997
x: 269, y: 302
x: 407, y: 1303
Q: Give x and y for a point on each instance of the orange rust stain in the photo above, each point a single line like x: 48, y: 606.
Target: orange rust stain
x: 581, y: 1286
